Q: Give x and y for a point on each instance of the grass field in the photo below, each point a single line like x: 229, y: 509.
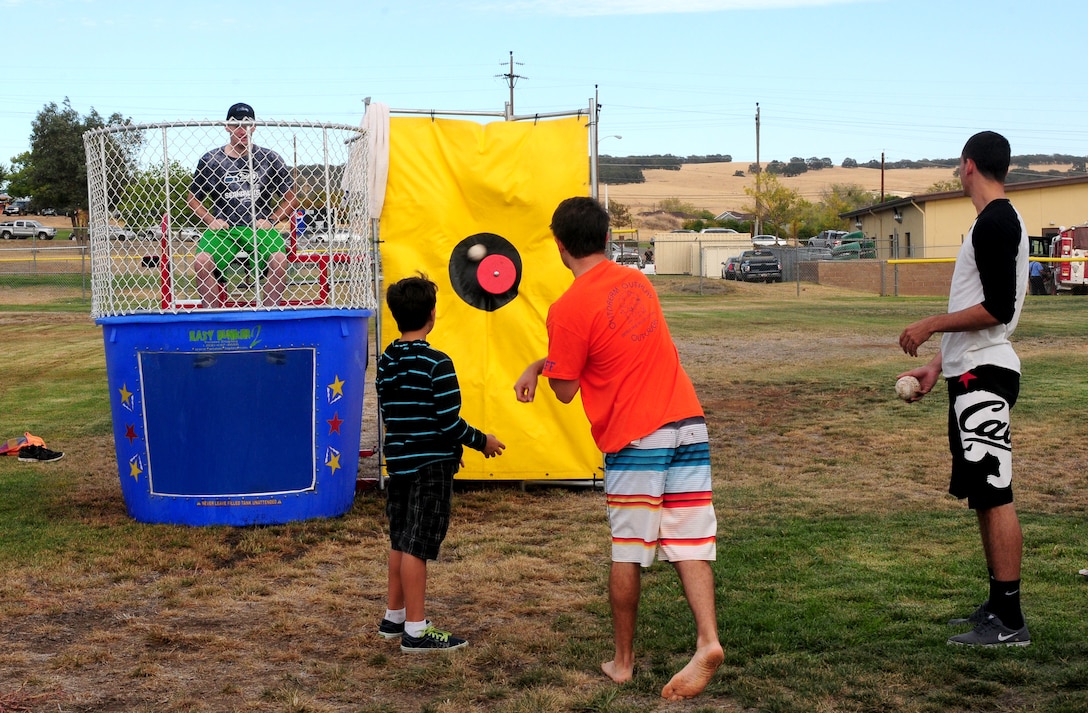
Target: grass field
x: 840, y: 555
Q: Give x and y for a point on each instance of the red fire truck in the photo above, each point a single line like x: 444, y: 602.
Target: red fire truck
x: 1070, y: 276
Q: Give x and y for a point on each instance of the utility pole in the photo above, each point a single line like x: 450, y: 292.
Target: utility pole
x: 511, y: 80
x: 759, y: 172
x: 881, y: 176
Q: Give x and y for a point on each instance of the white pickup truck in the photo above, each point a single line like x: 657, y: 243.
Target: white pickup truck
x: 26, y: 229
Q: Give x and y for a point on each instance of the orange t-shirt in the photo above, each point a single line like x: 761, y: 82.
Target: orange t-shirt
x: 608, y: 332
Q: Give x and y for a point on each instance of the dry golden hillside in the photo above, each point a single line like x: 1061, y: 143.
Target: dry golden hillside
x: 714, y: 187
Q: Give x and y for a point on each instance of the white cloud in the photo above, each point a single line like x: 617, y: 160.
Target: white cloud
x: 583, y: 8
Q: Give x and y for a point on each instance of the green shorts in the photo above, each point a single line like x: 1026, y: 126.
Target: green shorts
x: 224, y: 245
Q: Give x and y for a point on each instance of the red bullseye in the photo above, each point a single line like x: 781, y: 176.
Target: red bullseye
x: 496, y: 274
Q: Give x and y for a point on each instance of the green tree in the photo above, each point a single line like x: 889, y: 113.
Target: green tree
x: 17, y: 185
x: 795, y: 167
x: 952, y: 184
x: 143, y: 200
x: 54, y: 171
x: 619, y: 215
x: 779, y: 207
x: 834, y: 200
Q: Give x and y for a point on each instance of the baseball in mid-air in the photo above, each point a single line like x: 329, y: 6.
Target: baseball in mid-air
x: 907, y: 387
x: 477, y: 252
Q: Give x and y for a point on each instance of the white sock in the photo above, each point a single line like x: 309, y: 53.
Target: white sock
x: 415, y: 629
x: 395, y: 615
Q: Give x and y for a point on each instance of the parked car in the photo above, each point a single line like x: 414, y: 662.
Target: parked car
x: 854, y: 250
x: 759, y: 266
x: 717, y: 230
x: 630, y: 259
x: 827, y: 238
x: 768, y: 241
x: 155, y: 232
x: 729, y: 268
x: 340, y: 235
x: 11, y: 209
x: 118, y: 233
x: 48, y: 211
x: 813, y: 254
x: 21, y: 229
x: 845, y: 238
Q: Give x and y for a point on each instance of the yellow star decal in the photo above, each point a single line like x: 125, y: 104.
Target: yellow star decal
x: 126, y: 395
x: 333, y: 461
x: 134, y: 468
x: 337, y: 386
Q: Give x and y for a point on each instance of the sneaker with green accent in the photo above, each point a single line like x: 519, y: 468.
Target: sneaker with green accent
x: 432, y: 640
x: 992, y: 632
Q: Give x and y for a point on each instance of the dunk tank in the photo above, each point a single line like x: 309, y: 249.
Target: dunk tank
x: 247, y: 408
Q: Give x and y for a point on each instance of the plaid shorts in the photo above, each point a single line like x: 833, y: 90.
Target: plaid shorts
x: 418, y: 507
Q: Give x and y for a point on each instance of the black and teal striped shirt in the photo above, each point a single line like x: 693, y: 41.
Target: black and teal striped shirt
x: 420, y: 402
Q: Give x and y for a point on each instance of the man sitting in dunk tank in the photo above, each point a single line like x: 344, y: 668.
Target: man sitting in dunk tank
x: 250, y: 190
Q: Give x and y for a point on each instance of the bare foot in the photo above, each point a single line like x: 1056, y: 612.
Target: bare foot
x: 692, y: 679
x: 616, y: 673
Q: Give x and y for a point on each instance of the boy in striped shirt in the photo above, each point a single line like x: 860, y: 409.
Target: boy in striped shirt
x: 420, y: 404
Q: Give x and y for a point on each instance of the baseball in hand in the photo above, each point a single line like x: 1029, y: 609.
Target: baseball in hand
x: 477, y: 252
x: 907, y: 387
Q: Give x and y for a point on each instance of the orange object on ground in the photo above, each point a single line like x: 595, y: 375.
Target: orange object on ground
x: 11, y: 446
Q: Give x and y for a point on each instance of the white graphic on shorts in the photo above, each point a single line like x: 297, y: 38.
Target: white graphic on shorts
x: 984, y: 431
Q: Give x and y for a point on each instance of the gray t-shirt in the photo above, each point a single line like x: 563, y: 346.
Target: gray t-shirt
x: 257, y: 181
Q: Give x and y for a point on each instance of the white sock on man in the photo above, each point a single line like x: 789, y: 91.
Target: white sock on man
x: 395, y: 615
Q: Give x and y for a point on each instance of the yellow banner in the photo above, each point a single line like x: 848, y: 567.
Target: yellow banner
x: 455, y: 185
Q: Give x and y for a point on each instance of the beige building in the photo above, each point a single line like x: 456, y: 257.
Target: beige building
x: 934, y: 225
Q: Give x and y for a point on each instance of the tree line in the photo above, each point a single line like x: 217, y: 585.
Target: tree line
x: 54, y: 170
x: 617, y: 170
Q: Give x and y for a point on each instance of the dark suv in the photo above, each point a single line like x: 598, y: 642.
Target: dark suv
x: 759, y: 266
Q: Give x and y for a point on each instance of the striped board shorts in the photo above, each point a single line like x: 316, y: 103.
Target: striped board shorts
x: 659, y: 496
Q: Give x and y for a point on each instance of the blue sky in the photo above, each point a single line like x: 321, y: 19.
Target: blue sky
x: 833, y: 78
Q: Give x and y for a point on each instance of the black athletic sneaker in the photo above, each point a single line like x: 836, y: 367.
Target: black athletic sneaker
x: 974, y: 618
x: 432, y: 640
x: 389, y: 630
x: 38, y: 454
x: 992, y: 632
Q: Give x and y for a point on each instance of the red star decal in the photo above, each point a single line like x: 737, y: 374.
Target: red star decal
x: 966, y: 379
x: 130, y: 433
x: 334, y: 423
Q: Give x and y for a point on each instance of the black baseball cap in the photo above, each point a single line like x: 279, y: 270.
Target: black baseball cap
x: 240, y: 112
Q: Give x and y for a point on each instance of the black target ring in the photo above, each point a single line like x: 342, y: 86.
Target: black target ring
x: 490, y: 281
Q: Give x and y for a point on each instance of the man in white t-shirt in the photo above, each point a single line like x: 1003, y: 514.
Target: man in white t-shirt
x: 982, y: 372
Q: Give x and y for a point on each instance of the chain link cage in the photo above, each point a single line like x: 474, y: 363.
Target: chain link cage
x: 153, y: 251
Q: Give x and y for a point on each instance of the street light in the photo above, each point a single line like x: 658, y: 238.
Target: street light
x: 613, y: 136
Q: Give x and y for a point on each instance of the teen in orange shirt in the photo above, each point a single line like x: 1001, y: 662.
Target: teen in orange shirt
x: 607, y: 338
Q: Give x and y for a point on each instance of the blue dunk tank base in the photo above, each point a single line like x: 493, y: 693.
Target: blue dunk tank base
x: 237, y: 418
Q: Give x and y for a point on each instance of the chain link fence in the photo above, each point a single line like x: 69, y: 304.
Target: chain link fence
x: 37, y: 262
x: 299, y: 236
